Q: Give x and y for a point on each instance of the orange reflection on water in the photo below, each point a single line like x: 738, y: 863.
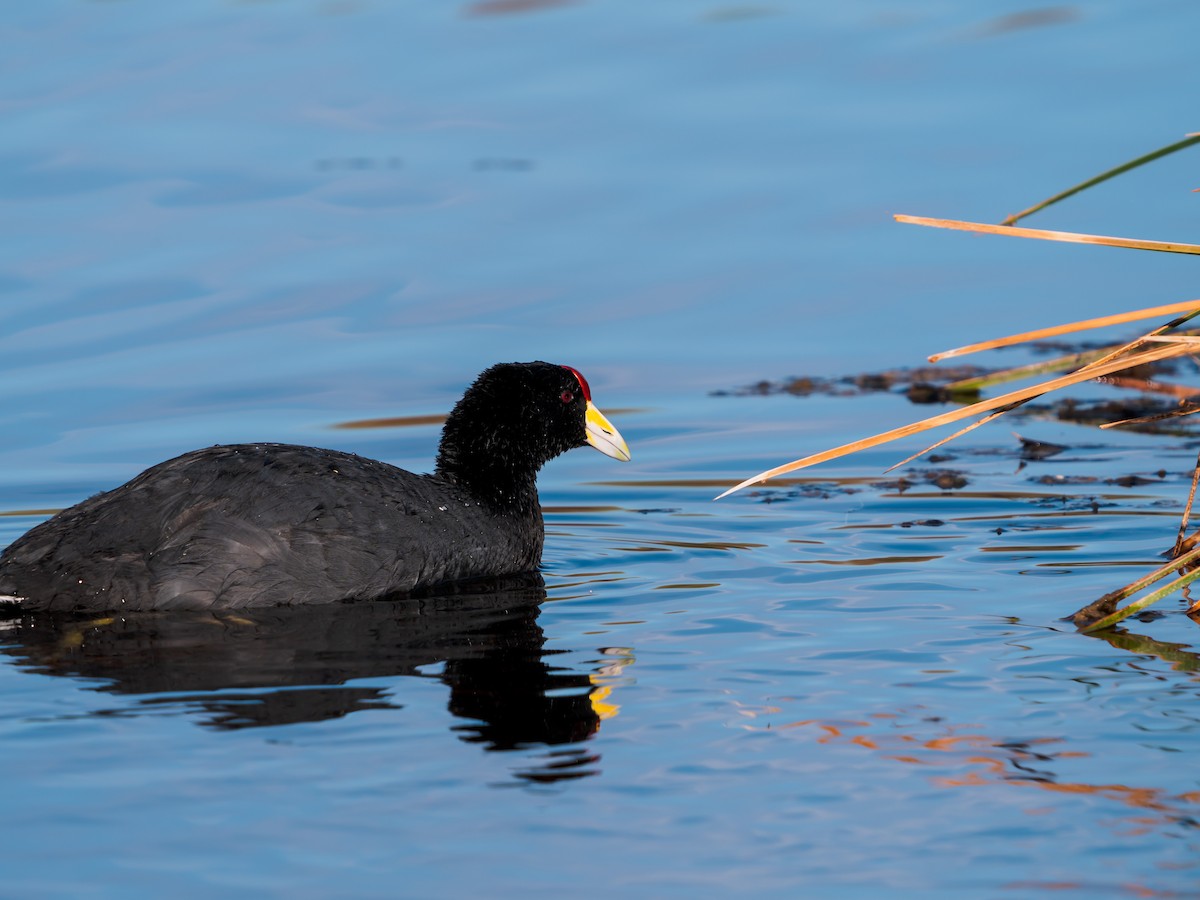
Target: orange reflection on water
x: 987, y: 761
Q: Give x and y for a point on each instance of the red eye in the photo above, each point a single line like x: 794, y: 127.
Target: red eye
x: 587, y: 390
x: 567, y: 396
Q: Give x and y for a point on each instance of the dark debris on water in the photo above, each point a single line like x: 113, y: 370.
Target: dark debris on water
x: 925, y: 384
x: 945, y: 479
x: 931, y: 384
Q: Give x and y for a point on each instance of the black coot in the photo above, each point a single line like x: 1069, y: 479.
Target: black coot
x: 272, y: 524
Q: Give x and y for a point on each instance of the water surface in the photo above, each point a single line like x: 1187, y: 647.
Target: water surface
x: 256, y: 221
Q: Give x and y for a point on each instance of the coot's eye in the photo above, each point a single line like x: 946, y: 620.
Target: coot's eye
x: 567, y: 396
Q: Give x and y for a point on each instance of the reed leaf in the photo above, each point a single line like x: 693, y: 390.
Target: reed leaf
x: 1104, y: 176
x: 1138, y: 605
x: 1017, y: 373
x: 1104, y: 613
x: 1112, y: 598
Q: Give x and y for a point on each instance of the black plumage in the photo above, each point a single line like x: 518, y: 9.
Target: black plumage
x: 256, y: 525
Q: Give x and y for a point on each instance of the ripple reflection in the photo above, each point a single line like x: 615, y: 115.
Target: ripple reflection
x: 283, y: 666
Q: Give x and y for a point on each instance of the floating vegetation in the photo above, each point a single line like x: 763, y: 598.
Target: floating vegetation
x: 918, y: 383
x: 1136, y: 364
x: 1148, y: 409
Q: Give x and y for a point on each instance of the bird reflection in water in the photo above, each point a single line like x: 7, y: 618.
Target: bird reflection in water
x: 286, y: 665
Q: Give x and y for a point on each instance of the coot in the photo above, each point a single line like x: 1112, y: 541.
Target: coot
x: 252, y: 525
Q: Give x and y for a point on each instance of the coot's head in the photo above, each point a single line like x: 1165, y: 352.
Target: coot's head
x: 515, y: 418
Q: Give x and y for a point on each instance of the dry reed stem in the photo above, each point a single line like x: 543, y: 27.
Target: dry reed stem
x: 1029, y: 370
x: 1071, y: 237
x: 1187, y: 510
x: 989, y: 417
x: 1192, y: 339
x: 1189, y: 410
x: 1116, y: 352
x: 1001, y: 405
x: 1083, y: 325
x: 1085, y: 618
x: 1103, y: 367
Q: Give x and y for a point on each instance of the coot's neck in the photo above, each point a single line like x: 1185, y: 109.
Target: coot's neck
x: 503, y: 481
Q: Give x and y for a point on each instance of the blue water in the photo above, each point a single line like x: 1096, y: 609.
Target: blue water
x: 228, y: 221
